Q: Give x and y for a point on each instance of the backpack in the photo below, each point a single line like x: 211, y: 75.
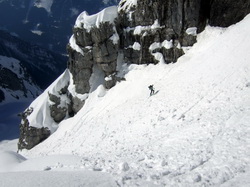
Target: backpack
x: 151, y: 87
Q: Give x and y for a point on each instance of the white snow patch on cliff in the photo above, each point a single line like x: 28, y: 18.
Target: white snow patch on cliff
x: 73, y: 45
x: 192, y: 31
x: 136, y: 46
x: 156, y: 25
x: 159, y: 57
x: 157, y: 45
x: 115, y: 37
x: 139, y: 29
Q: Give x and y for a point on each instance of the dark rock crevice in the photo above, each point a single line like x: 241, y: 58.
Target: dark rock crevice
x: 224, y: 13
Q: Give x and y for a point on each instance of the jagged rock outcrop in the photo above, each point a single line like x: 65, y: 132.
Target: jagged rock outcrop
x: 151, y: 23
x: 97, y: 45
x: 143, y: 32
x: 57, y: 112
x: 30, y: 136
x: 43, y: 115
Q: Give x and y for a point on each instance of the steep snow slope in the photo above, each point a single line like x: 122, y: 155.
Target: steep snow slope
x: 193, y: 132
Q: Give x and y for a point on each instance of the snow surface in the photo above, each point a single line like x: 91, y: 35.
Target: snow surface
x: 136, y: 46
x: 193, y: 132
x: 139, y: 29
x: 73, y: 45
x: 166, y: 44
x: 46, y: 4
x: 37, y: 32
x: 192, y: 31
x: 115, y: 37
x: 88, y: 21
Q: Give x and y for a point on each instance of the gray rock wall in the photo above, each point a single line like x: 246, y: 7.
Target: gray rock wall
x: 174, y: 18
x: 98, y: 49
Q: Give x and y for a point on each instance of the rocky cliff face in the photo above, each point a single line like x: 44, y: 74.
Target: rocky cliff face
x: 143, y: 32
x: 159, y: 27
x: 224, y: 13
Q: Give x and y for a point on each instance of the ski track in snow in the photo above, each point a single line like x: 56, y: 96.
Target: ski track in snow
x: 194, y: 132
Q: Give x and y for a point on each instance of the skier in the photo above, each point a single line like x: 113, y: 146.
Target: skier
x: 151, y: 88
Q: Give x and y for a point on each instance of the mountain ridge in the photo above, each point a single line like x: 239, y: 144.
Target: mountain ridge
x: 45, y: 23
x: 26, y: 69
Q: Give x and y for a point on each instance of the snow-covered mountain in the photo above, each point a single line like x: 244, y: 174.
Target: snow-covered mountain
x: 98, y: 125
x: 46, y: 22
x: 102, y: 43
x: 193, y: 132
x: 17, y: 91
x: 43, y: 65
x: 25, y: 70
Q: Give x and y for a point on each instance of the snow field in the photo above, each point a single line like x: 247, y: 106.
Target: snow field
x: 193, y: 132
x: 55, y: 170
